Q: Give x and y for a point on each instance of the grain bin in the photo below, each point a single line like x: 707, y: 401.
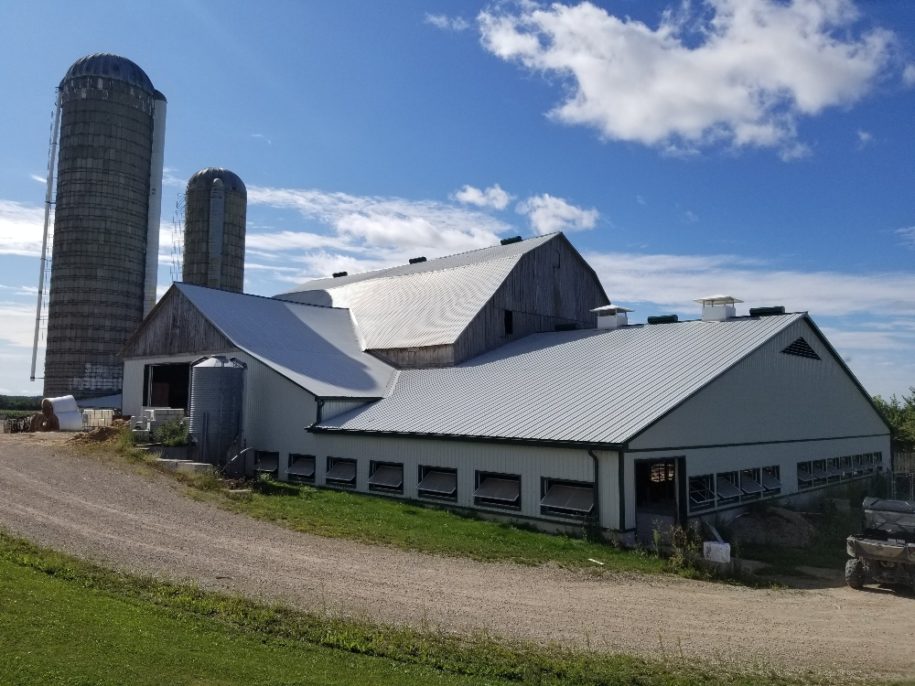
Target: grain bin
x: 215, y: 210
x: 106, y: 226
x: 217, y: 395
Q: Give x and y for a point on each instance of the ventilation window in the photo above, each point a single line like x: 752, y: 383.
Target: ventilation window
x: 386, y: 476
x: 266, y: 462
x: 750, y: 484
x: 701, y: 492
x: 509, y: 323
x: 771, y: 481
x: 340, y: 472
x: 498, y: 490
x: 437, y: 482
x: 566, y: 498
x: 804, y: 475
x: 301, y: 468
x: 726, y: 486
x: 801, y: 348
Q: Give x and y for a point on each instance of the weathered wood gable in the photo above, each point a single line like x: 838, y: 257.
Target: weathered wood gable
x: 175, y: 326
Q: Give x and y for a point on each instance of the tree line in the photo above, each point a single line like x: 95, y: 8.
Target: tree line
x: 899, y: 413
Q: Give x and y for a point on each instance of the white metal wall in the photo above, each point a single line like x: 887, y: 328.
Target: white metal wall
x: 770, y: 396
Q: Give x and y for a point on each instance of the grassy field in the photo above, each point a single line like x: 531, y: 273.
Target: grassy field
x: 64, y: 621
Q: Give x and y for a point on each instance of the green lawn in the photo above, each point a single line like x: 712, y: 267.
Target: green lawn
x: 387, y: 521
x: 63, y: 621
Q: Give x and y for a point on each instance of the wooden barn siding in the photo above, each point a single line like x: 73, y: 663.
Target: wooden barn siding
x: 176, y: 327
x: 551, y: 285
x: 417, y: 358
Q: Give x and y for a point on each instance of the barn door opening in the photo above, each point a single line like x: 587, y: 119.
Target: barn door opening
x: 166, y: 385
x: 659, y: 504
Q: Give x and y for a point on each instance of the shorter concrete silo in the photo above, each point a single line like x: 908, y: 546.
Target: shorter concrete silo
x: 215, y: 206
x: 217, y: 391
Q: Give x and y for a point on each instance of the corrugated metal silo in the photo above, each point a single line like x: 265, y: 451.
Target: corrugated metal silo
x: 106, y: 227
x: 217, y: 389
x: 214, y: 230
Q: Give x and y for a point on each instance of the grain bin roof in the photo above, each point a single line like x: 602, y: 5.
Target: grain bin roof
x: 314, y: 347
x: 421, y: 304
x: 596, y: 386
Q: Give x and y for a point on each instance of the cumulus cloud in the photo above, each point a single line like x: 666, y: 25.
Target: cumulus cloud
x: 21, y: 228
x: 493, y: 197
x: 739, y: 72
x: 547, y: 214
x: 446, y: 23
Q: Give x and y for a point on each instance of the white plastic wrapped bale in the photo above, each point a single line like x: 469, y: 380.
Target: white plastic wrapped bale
x: 65, y: 410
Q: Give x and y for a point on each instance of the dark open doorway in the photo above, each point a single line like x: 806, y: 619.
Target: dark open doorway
x: 660, y: 502
x: 166, y: 385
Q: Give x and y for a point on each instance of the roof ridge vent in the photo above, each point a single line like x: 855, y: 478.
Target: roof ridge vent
x: 611, y: 316
x: 417, y: 260
x: 664, y: 319
x: 337, y: 275
x: 717, y: 308
x: 510, y: 240
x: 767, y: 311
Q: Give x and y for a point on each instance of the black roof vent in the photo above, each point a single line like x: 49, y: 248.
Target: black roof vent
x: 337, y: 275
x: 767, y: 311
x: 417, y: 260
x: 509, y: 241
x: 801, y: 348
x: 565, y: 326
x: 664, y: 319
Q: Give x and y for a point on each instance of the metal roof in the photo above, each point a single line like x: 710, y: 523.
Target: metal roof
x: 110, y: 66
x: 597, y: 386
x: 421, y: 304
x: 314, y: 347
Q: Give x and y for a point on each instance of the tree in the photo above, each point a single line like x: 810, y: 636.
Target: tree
x: 899, y: 413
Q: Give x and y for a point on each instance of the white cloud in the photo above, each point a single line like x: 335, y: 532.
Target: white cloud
x: 865, y: 138
x: 690, y: 217
x: 262, y: 137
x: 908, y: 235
x: 21, y: 228
x: 741, y: 72
x: 908, y: 75
x: 548, y: 213
x: 493, y: 197
x: 38, y: 178
x: 446, y: 23
x: 640, y: 199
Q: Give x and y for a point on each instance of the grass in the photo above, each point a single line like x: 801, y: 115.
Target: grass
x: 429, y: 529
x: 65, y: 621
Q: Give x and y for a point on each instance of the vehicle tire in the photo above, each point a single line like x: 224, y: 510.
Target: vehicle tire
x: 854, y: 573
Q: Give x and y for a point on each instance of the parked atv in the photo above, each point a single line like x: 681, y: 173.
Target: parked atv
x: 885, y: 552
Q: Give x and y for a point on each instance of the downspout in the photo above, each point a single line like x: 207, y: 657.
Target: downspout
x: 622, y: 488
x: 596, y: 462
x: 320, y: 411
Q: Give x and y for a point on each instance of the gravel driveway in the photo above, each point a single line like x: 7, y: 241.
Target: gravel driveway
x: 147, y: 524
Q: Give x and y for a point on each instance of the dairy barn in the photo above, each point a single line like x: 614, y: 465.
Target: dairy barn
x: 503, y: 380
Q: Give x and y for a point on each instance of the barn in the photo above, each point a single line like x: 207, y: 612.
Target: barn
x: 502, y: 380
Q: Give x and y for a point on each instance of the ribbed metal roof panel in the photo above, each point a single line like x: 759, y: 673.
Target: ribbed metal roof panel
x: 597, y: 386
x: 314, y: 347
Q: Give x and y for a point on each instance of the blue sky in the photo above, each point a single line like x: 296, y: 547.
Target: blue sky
x: 758, y: 148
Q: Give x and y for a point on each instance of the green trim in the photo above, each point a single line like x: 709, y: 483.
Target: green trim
x: 749, y: 443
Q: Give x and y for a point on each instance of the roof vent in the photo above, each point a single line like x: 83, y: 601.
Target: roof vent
x: 611, y: 316
x: 717, y: 308
x: 801, y: 348
x: 664, y: 319
x: 417, y: 260
x: 509, y: 241
x: 767, y: 311
x: 337, y: 275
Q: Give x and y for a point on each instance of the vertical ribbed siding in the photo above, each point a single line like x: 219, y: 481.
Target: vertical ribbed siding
x: 100, y: 231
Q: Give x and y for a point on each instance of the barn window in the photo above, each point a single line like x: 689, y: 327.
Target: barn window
x: 498, y: 490
x: 301, y: 468
x: 437, y: 482
x: 386, y: 476
x: 771, y: 481
x: 804, y: 475
x: 266, y: 462
x: 566, y: 498
x: 818, y: 472
x: 341, y: 472
x: 509, y: 323
x: 701, y: 492
x: 801, y: 348
x: 750, y: 484
x: 726, y: 487
x: 833, y: 470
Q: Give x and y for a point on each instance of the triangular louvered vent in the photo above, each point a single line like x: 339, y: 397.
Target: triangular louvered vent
x: 801, y: 348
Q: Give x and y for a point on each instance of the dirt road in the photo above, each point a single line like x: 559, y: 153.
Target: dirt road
x: 146, y: 524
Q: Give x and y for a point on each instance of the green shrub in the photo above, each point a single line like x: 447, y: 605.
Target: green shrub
x: 171, y: 434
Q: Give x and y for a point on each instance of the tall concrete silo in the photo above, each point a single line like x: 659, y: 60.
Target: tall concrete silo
x: 215, y: 206
x: 106, y: 226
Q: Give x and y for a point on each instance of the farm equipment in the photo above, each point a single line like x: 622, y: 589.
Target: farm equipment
x: 885, y: 552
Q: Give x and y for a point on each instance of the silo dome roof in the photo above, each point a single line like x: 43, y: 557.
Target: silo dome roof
x: 205, y: 177
x: 110, y: 66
